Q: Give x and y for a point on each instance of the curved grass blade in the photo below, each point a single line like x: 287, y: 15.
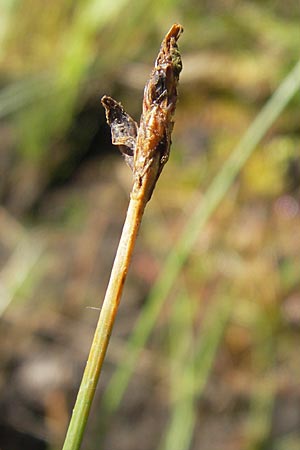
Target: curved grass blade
x: 194, y: 371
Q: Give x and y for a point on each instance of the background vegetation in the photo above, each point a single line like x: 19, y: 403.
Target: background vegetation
x: 205, y: 353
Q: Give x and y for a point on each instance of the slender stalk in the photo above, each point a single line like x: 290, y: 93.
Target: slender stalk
x: 146, y: 150
x: 105, y: 324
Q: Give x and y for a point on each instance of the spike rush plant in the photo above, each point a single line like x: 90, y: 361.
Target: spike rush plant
x: 146, y: 150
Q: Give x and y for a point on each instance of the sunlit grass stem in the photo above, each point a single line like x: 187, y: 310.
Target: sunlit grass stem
x: 104, y: 326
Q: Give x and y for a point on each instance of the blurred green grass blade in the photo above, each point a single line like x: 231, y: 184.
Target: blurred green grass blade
x: 18, y: 269
x: 19, y: 94
x: 260, y: 420
x: 6, y: 9
x: 181, y: 360
x: 289, y: 441
x: 194, y: 374
x: 178, y: 255
x: 52, y: 109
x: 259, y: 423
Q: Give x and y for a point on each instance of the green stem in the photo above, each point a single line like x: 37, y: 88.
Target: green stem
x: 105, y: 324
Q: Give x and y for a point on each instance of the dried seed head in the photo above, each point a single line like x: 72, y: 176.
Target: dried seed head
x: 162, y: 84
x: 156, y: 125
x: 146, y: 149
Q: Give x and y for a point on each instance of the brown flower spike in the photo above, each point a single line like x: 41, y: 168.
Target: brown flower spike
x: 146, y: 148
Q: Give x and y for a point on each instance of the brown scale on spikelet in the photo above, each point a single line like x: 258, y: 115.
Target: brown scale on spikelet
x: 146, y: 148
